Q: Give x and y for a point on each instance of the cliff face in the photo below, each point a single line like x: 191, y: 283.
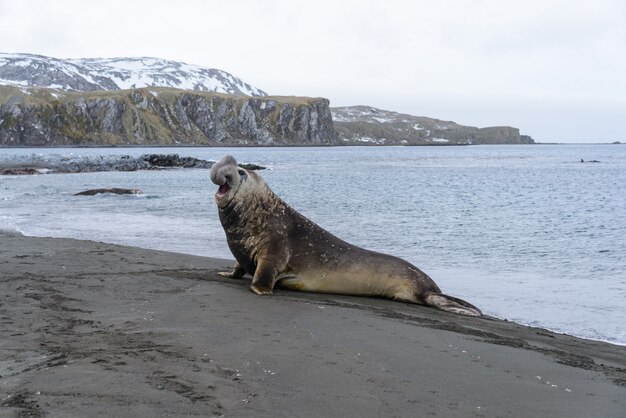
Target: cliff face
x: 160, y: 116
x: 369, y: 125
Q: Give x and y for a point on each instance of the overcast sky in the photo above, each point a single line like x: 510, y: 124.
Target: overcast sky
x: 555, y: 69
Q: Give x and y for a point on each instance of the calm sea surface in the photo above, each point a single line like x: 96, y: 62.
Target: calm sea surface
x: 527, y: 233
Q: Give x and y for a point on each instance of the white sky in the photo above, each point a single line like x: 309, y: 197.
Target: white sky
x: 555, y: 69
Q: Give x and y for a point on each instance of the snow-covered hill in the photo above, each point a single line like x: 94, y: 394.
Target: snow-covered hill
x: 89, y: 74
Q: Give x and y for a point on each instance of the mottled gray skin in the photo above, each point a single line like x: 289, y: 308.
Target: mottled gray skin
x: 277, y: 245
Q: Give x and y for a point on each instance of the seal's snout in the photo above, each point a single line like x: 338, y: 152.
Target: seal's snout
x: 224, y: 174
x: 221, y: 170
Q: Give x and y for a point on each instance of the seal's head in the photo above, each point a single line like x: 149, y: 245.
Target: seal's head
x: 230, y: 177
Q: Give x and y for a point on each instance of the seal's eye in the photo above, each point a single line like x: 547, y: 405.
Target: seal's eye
x: 242, y: 173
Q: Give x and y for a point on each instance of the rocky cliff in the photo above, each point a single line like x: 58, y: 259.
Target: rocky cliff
x: 369, y: 125
x: 159, y: 116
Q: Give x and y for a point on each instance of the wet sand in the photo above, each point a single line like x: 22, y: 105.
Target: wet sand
x: 89, y: 329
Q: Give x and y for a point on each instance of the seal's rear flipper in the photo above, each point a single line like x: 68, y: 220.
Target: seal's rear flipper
x: 451, y: 304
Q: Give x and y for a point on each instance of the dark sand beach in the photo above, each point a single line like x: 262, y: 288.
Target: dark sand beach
x: 91, y: 329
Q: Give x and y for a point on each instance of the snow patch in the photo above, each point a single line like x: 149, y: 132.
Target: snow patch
x: 17, y: 83
x: 368, y: 139
x: 128, y: 73
x: 381, y: 120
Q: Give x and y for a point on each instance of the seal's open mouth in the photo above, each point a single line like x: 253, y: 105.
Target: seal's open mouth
x: 224, y: 188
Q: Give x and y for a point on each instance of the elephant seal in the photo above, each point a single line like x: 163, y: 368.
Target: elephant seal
x: 277, y: 245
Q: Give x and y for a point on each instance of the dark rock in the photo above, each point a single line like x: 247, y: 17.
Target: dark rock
x: 18, y: 171
x: 251, y: 167
x: 174, y: 161
x: 160, y: 160
x: 113, y: 190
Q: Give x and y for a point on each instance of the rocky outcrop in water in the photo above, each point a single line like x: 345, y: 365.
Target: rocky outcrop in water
x: 60, y: 164
x: 160, y: 116
x: 113, y: 190
x: 11, y: 171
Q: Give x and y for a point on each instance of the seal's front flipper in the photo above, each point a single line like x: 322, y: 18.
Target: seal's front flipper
x: 264, y: 278
x: 237, y: 273
x: 451, y: 304
x: 260, y: 290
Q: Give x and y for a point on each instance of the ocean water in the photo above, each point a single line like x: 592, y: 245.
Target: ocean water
x: 527, y: 233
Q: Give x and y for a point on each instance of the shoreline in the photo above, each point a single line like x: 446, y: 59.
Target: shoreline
x: 90, y: 328
x: 133, y: 146
x: 540, y: 327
